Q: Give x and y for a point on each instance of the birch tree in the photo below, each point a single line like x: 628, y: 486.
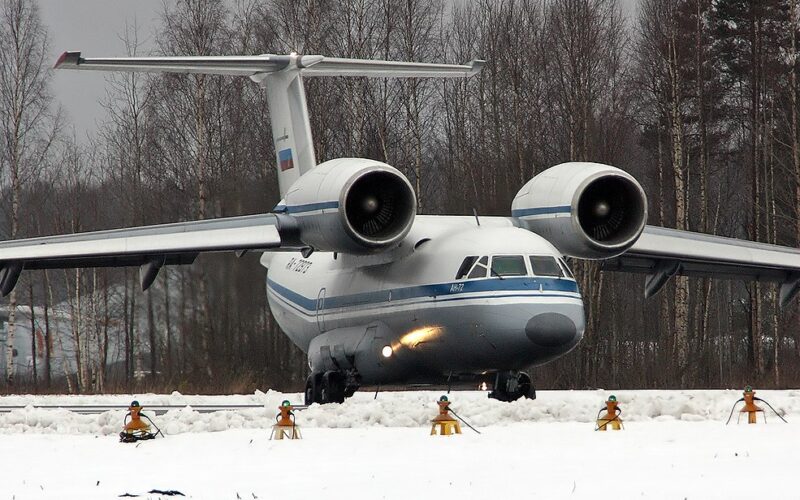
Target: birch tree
x: 27, y: 128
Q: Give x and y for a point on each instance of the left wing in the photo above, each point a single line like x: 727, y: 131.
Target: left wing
x: 662, y: 253
x: 149, y: 247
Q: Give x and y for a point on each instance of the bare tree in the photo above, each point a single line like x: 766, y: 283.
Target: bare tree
x: 27, y: 128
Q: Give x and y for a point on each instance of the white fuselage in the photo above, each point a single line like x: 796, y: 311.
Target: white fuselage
x: 439, y: 324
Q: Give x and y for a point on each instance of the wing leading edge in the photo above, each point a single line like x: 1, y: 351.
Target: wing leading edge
x: 662, y: 253
x: 149, y: 247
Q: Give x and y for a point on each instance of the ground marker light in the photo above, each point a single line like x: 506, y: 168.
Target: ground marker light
x: 749, y: 398
x: 611, y: 416
x: 285, y: 426
x: 137, y: 429
x: 446, y: 424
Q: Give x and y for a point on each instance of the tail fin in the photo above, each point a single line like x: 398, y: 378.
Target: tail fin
x: 281, y: 75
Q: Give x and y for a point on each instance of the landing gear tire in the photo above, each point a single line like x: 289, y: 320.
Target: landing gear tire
x: 329, y: 387
x: 313, y: 385
x: 512, y: 385
x: 333, y: 388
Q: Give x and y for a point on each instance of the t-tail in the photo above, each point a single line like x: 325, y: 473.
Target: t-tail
x: 282, y: 77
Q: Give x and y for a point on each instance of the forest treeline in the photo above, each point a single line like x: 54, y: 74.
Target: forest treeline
x: 698, y: 99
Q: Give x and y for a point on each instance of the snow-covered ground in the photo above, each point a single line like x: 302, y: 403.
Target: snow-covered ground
x: 675, y: 445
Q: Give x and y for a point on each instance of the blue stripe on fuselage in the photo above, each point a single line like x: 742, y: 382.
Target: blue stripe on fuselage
x: 310, y: 207
x: 441, y: 290
x: 524, y: 212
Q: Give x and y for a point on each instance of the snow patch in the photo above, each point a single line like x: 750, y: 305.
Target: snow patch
x: 390, y: 409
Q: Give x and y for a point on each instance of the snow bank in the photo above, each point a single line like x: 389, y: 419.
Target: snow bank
x: 390, y: 409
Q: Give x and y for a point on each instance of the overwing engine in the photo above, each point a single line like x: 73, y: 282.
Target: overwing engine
x: 587, y: 210
x: 351, y: 205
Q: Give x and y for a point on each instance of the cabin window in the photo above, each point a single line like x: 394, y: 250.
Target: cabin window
x: 545, y: 266
x: 509, y: 265
x: 565, y: 267
x: 479, y: 271
x: 466, y: 266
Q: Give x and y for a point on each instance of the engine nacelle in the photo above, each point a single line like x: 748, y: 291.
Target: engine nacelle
x: 352, y: 205
x: 586, y: 210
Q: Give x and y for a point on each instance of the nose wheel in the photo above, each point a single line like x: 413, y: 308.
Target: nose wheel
x: 512, y: 385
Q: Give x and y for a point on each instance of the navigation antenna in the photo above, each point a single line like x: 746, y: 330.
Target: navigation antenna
x: 475, y: 213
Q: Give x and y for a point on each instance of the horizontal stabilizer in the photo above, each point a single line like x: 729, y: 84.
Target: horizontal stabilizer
x: 330, y: 66
x: 310, y: 65
x: 218, y: 65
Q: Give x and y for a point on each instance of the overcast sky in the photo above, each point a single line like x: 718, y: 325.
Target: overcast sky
x: 93, y: 27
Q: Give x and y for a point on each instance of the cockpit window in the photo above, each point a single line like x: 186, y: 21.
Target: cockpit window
x: 465, y: 267
x: 567, y: 270
x: 479, y: 271
x: 509, y: 265
x: 545, y: 266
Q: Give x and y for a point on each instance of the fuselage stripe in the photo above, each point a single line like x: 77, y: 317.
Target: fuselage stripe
x: 440, y: 291
x: 310, y: 207
x: 524, y: 212
x: 392, y: 306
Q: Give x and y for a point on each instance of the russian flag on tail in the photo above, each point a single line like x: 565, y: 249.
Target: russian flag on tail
x: 285, y: 160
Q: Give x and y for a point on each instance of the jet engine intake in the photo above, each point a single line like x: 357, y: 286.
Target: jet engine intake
x: 587, y: 210
x: 352, y: 205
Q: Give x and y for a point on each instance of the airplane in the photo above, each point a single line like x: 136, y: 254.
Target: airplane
x: 376, y: 294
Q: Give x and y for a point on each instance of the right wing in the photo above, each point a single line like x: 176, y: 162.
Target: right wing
x: 149, y: 247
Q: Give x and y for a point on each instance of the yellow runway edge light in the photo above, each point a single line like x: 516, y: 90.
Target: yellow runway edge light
x: 611, y: 416
x: 136, y: 429
x: 444, y: 422
x: 285, y: 426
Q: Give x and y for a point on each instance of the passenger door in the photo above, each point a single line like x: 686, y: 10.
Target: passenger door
x: 321, y: 310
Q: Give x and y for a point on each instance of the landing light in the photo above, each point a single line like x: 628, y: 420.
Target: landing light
x: 387, y: 351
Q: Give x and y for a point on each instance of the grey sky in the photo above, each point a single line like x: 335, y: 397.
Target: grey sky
x: 93, y: 27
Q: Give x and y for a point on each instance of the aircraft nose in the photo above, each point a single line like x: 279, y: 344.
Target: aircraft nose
x: 551, y: 329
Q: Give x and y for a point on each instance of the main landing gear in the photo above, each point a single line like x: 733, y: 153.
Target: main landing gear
x: 512, y: 385
x: 329, y: 387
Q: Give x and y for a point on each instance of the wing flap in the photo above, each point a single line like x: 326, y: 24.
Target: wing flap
x: 177, y: 259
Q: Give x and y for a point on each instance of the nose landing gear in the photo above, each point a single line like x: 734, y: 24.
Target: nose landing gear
x: 330, y: 387
x: 512, y: 385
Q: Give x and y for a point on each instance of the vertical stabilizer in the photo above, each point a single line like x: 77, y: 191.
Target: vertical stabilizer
x: 291, y: 129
